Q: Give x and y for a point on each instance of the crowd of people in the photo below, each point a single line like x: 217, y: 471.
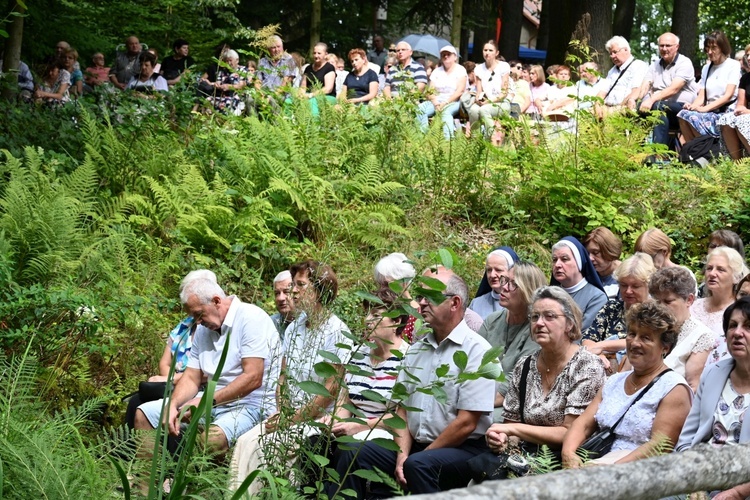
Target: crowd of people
x: 631, y: 345
x: 473, y: 96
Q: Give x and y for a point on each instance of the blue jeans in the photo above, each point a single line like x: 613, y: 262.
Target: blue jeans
x: 426, y: 109
x: 668, y: 121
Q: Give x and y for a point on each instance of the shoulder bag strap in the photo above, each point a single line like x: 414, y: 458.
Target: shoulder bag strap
x: 705, y: 84
x: 522, y: 386
x: 622, y: 72
x: 642, y: 393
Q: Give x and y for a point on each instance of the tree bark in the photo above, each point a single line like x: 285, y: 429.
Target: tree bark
x: 685, y: 26
x: 600, y: 29
x: 542, y: 38
x: 317, y: 9
x: 510, y: 31
x: 703, y: 468
x: 12, y: 53
x: 458, y: 16
x: 624, y: 16
x: 563, y: 15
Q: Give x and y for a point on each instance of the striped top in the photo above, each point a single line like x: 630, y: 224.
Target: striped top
x: 379, y: 378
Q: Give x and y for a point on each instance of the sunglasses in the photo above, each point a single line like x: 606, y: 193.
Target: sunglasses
x: 492, y: 75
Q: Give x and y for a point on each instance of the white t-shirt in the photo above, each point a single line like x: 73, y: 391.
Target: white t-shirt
x: 635, y: 72
x: 492, y: 80
x: 726, y: 73
x: 253, y: 335
x: 446, y: 83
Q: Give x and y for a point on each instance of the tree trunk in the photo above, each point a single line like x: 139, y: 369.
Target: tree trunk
x: 600, y: 29
x: 542, y: 38
x: 12, y: 53
x: 317, y: 8
x: 563, y: 15
x: 685, y: 26
x: 703, y: 468
x: 510, y: 32
x: 624, y: 15
x: 458, y: 16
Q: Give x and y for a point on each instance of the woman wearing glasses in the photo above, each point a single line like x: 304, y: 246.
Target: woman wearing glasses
x: 558, y: 381
x: 509, y: 327
x: 493, y: 77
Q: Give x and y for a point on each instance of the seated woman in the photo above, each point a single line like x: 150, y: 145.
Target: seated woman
x: 657, y: 244
x: 70, y: 61
x: 674, y: 288
x: 315, y: 330
x: 375, y: 371
x: 735, y: 126
x: 447, y: 83
x: 509, y: 327
x: 606, y: 337
x: 722, y: 238
x: 148, y: 80
x: 724, y: 269
x: 742, y: 289
x: 519, y: 91
x: 559, y: 106
x: 498, y: 262
x: 230, y: 79
x: 397, y: 267
x: 722, y: 400
x: 539, y: 89
x: 54, y: 84
x: 493, y: 80
x: 653, y: 420
x: 559, y: 380
x: 361, y: 84
x: 319, y: 78
x: 98, y: 74
x: 718, y: 90
x: 573, y: 271
x: 604, y: 250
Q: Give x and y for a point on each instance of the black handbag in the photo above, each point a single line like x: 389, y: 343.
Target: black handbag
x: 490, y: 466
x: 600, y: 443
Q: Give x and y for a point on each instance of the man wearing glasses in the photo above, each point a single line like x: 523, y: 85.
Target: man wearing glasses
x: 440, y: 437
x: 407, y: 71
x: 624, y: 79
x: 668, y: 85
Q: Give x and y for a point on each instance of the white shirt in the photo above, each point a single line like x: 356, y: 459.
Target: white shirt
x: 492, y: 80
x: 722, y: 75
x: 635, y: 72
x: 446, y: 83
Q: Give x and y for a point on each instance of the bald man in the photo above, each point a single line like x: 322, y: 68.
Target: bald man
x: 127, y: 64
x: 406, y: 71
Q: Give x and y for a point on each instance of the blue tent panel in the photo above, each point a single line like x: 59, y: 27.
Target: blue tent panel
x: 537, y: 55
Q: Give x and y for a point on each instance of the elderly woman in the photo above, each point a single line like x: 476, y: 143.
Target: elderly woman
x: 447, y: 83
x: 230, y: 79
x: 509, y: 327
x: 319, y: 78
x: 498, y: 262
x: 559, y: 381
x: 397, y: 267
x: 492, y: 88
x: 148, y: 80
x: 718, y: 90
x: 659, y: 412
x: 607, y: 335
x: 604, y: 250
x: 573, y: 271
x: 674, y: 288
x: 721, y: 401
x: 361, y: 85
x: 724, y: 269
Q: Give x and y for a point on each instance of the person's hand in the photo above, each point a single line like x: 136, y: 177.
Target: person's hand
x: 729, y: 495
x: 272, y: 423
x: 571, y: 461
x: 497, y: 437
x: 688, y: 106
x: 347, y: 428
x: 188, y: 412
x: 645, y: 106
x: 157, y: 378
x: 630, y: 103
x: 741, y: 110
x: 399, y: 472
x: 607, y: 365
x: 172, y: 420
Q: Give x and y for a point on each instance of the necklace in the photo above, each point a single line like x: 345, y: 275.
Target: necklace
x: 633, y: 384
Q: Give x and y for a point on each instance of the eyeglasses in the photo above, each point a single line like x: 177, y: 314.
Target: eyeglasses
x: 420, y: 298
x: 547, y: 316
x: 505, y: 281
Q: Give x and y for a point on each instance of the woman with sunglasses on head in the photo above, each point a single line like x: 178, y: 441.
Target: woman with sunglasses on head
x: 509, y: 327
x: 493, y: 77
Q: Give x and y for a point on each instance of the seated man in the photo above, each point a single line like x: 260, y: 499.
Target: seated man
x: 440, y: 439
x: 282, y: 296
x: 244, y: 392
x: 668, y: 86
x: 623, y: 80
x: 407, y: 73
x: 127, y: 64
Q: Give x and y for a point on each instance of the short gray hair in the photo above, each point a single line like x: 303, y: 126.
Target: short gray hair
x: 457, y: 286
x: 231, y: 55
x: 571, y: 311
x: 734, y: 259
x: 283, y: 276
x: 198, y: 274
x: 205, y: 290
x: 619, y: 41
x: 393, y: 267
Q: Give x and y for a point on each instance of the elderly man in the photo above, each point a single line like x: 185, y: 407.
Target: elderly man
x: 173, y: 66
x: 245, y: 391
x: 277, y: 69
x: 378, y: 54
x: 407, y: 70
x: 440, y: 439
x: 127, y: 64
x: 624, y: 79
x: 282, y: 296
x: 668, y: 86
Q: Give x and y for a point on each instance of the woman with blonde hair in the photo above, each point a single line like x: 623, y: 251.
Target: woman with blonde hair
x: 539, y: 89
